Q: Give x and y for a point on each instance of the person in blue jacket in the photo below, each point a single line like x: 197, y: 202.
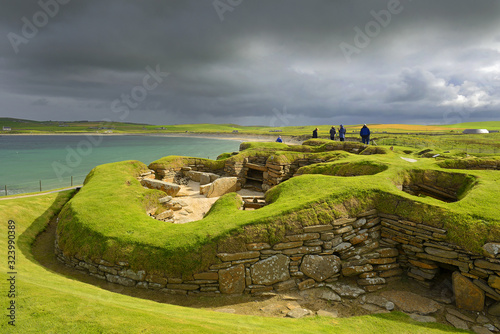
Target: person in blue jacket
x: 342, y: 132
x: 279, y: 140
x: 365, y: 135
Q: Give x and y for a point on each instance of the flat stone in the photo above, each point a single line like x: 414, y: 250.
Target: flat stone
x: 456, y: 322
x: 288, y: 245
x: 271, y: 270
x: 382, y: 260
x: 286, y: 285
x: 346, y: 290
x: 222, y: 186
x: 299, y: 313
x: 391, y: 273
x: 460, y: 315
x: 441, y: 253
x: 136, y: 276
x: 341, y: 247
x: 331, y: 314
x: 373, y: 308
x: 359, y: 238
x: 120, y: 280
x: 329, y: 295
x: 423, y: 265
x: 320, y: 267
x: 481, y: 330
x: 487, y: 265
x: 204, y: 178
x: 491, y: 249
x: 494, y: 281
x: 226, y: 257
x: 486, y: 288
x: 380, y: 301
x: 258, y: 246
x: 356, y: 270
x: 371, y: 281
x: 232, y: 280
x: 307, y: 284
x: 183, y: 286
x: 410, y: 302
x: 170, y: 189
x: 468, y: 296
x: 206, y: 276
x: 388, y: 252
x: 317, y: 228
x: 303, y: 237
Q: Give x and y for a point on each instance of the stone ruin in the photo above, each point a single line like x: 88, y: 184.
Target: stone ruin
x: 350, y: 256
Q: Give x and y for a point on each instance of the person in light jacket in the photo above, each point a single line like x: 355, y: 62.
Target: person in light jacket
x: 342, y: 132
x: 365, y: 135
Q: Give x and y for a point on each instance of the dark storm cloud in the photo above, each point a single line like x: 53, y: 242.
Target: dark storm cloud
x: 240, y: 61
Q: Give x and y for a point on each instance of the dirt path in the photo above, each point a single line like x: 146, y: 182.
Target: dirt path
x: 39, y: 194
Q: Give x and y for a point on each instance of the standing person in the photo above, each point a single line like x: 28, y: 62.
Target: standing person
x: 342, y: 133
x: 279, y: 140
x: 365, y: 135
x: 315, y: 133
x: 332, y: 133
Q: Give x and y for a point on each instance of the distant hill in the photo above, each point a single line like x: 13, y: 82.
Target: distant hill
x: 34, y: 127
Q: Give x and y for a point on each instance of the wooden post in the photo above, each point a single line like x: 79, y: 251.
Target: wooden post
x: 40, y: 185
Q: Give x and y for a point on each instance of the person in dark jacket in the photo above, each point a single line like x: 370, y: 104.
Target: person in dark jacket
x: 342, y: 132
x: 332, y: 133
x: 365, y: 135
x: 315, y: 133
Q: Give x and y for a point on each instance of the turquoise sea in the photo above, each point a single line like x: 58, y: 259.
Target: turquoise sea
x: 56, y: 160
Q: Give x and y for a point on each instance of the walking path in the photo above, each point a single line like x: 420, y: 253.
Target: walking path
x: 39, y: 194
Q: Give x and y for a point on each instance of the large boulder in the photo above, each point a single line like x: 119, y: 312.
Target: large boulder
x: 272, y: 270
x: 232, y: 280
x: 320, y: 267
x: 468, y: 296
x: 222, y: 186
x: 170, y: 189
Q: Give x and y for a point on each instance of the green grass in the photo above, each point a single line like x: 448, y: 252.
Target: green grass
x: 51, y: 303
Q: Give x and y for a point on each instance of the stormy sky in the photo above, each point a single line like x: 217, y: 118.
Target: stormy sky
x: 251, y: 62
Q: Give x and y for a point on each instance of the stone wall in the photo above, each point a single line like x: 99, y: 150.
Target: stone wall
x: 371, y: 249
x: 424, y: 252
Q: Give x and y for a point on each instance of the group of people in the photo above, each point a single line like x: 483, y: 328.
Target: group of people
x: 364, y: 133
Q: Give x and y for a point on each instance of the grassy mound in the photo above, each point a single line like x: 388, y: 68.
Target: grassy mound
x: 50, y: 303
x: 107, y: 218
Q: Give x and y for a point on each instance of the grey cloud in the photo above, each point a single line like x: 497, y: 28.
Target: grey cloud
x: 263, y: 55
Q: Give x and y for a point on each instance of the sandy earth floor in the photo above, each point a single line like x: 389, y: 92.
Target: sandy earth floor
x: 195, y: 205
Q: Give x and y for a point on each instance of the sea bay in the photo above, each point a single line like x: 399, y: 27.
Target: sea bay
x: 58, y: 160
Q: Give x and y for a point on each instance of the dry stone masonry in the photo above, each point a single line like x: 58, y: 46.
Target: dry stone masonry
x: 367, y: 251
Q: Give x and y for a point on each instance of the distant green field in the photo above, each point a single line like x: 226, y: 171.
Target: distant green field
x: 493, y: 125
x: 28, y: 126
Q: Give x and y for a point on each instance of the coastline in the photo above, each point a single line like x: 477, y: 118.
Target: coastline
x: 241, y: 137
